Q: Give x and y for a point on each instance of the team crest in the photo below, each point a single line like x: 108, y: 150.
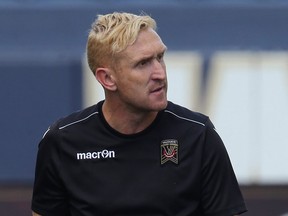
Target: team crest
x: 169, y: 151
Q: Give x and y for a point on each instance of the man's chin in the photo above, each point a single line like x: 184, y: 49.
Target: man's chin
x: 160, y: 106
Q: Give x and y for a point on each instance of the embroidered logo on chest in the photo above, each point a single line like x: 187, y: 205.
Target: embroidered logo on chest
x: 169, y: 151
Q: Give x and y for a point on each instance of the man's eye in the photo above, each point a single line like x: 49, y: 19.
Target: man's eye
x: 160, y: 57
x: 144, y: 62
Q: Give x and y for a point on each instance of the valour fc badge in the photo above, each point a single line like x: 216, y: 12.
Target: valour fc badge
x: 169, y: 151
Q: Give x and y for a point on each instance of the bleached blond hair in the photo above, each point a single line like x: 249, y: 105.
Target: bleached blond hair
x: 112, y: 33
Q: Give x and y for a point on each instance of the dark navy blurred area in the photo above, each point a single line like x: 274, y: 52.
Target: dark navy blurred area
x: 42, y: 44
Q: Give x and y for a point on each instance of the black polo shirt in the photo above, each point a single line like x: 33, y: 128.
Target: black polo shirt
x: 178, y: 166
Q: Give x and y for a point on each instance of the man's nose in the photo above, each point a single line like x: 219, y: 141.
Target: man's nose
x: 159, y: 69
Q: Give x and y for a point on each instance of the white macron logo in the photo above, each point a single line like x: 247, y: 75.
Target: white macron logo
x: 96, y: 155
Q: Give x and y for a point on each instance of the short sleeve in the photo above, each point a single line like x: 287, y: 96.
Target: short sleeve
x: 221, y: 195
x: 49, y: 195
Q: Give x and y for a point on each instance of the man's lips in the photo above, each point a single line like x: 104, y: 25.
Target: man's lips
x: 157, y: 89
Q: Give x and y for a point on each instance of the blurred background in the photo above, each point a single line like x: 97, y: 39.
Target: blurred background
x: 227, y: 59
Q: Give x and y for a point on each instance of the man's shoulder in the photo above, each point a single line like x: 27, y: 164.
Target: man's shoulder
x: 76, y: 118
x: 183, y: 113
x: 73, y: 124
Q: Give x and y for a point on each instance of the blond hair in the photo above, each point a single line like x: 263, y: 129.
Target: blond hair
x: 112, y: 33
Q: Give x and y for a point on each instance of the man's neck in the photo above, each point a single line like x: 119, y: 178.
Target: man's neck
x: 125, y: 121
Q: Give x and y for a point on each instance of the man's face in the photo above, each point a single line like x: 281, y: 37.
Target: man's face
x: 141, y: 73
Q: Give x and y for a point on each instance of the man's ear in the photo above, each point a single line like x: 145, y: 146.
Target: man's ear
x: 105, y: 78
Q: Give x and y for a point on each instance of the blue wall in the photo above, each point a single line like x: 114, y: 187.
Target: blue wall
x: 41, y: 46
x: 33, y: 94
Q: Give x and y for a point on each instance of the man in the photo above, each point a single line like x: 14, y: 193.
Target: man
x: 134, y: 153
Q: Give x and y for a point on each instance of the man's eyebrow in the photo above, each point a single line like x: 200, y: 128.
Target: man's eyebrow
x: 143, y: 58
x: 147, y: 57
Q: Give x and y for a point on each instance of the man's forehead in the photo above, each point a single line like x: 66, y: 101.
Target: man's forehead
x: 147, y: 44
